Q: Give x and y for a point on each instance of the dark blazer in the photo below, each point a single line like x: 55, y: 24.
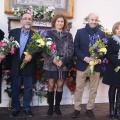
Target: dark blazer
x: 15, y: 60
x: 81, y: 47
x: 111, y: 77
x: 1, y: 38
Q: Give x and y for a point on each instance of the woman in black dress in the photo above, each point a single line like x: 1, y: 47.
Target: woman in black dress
x: 112, y: 77
x: 56, y: 70
x: 1, y: 58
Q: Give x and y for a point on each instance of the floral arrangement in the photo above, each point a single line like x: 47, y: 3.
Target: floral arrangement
x: 71, y: 81
x: 8, y: 46
x: 97, y: 49
x: 37, y: 42
x: 39, y: 12
x: 8, y: 89
x: 40, y: 90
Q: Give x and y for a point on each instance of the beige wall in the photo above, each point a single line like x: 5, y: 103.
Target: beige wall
x: 108, y: 11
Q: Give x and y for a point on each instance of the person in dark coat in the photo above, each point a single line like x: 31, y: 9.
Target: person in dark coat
x: 112, y: 77
x: 1, y: 58
x: 56, y: 70
x: 22, y: 36
x: 81, y: 45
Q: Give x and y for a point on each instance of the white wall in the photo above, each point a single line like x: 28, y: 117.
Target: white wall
x: 108, y: 11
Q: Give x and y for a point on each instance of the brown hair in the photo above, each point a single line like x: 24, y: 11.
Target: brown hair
x: 115, y: 26
x: 55, y: 19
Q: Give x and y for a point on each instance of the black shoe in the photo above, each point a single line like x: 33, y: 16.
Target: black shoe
x: 112, y: 114
x: 90, y: 114
x: 117, y: 114
x: 50, y: 112
x: 58, y: 112
x: 28, y: 113
x: 14, y: 113
x: 75, y: 114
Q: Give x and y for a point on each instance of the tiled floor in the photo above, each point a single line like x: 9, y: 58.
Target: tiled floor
x: 39, y: 112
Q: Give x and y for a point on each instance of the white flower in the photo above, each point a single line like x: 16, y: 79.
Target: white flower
x: 5, y: 40
x: 30, y: 7
x: 9, y: 86
x: 52, y: 14
x: 17, y: 44
x: 18, y: 9
x: 49, y: 39
x: 19, y: 15
x: 49, y: 43
x: 13, y: 9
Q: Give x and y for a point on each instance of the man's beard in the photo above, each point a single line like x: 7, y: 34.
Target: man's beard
x: 27, y: 27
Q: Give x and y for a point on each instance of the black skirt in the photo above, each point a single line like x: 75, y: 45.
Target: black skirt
x: 56, y: 74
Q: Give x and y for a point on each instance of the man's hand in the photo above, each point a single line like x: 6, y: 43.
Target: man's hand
x: 27, y: 58
x: 87, y: 59
x: 97, y: 61
x: 2, y: 57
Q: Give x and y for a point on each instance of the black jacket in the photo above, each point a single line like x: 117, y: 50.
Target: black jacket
x: 81, y: 47
x: 64, y: 49
x: 15, y: 60
x: 1, y: 38
x: 111, y: 77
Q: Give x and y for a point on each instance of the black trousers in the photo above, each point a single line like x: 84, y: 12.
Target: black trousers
x: 0, y: 88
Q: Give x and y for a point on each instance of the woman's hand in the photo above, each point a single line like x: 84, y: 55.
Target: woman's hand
x: 59, y: 63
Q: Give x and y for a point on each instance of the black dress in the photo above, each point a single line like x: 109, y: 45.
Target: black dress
x: 1, y: 37
x: 111, y: 77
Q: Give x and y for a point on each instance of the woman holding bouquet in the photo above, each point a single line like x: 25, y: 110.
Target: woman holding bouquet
x: 1, y: 58
x: 112, y: 74
x: 55, y: 63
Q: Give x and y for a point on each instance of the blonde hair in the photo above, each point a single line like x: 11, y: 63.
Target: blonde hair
x: 115, y: 26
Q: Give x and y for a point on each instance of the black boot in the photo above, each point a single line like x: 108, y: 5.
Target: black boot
x: 58, y: 99
x: 50, y: 100
x: 111, y: 94
x: 117, y: 110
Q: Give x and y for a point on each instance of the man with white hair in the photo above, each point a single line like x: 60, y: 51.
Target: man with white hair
x: 81, y: 45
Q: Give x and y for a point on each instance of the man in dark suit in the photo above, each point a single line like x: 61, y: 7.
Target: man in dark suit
x: 25, y: 75
x: 1, y: 58
x: 81, y: 46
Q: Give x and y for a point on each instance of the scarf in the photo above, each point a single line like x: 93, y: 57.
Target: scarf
x: 91, y: 31
x: 117, y: 39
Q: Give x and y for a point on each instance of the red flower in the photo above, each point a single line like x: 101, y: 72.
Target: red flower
x: 71, y: 89
x: 53, y: 46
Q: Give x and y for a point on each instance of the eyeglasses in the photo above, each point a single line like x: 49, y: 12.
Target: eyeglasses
x: 29, y: 19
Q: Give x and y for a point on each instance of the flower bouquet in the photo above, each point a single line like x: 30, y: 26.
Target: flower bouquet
x: 33, y: 46
x: 97, y: 49
x: 8, y: 46
x: 37, y: 42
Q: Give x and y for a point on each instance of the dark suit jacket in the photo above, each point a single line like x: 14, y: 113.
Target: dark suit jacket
x: 15, y: 60
x: 111, y: 77
x: 1, y: 38
x: 81, y: 47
